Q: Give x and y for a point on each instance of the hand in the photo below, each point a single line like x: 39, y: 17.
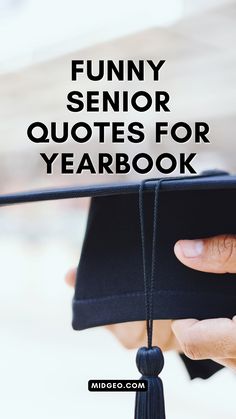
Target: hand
x: 133, y: 334
x: 207, y: 339
x: 215, y: 338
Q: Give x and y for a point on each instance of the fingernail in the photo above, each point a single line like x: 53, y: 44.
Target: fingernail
x: 191, y: 248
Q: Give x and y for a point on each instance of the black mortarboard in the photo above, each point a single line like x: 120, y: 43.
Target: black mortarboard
x: 128, y: 270
x: 109, y: 286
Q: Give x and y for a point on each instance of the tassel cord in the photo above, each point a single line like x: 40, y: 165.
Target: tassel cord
x: 149, y: 284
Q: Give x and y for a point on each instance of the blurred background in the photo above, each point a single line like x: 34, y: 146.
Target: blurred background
x: 44, y: 365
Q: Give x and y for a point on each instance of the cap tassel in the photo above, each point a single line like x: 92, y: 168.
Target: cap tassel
x: 150, y: 361
x: 150, y: 404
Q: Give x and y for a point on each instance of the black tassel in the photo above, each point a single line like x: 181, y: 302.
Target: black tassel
x: 150, y: 404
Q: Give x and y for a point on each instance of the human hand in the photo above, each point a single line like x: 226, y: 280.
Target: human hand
x: 207, y: 339
x: 214, y: 338
x: 133, y: 334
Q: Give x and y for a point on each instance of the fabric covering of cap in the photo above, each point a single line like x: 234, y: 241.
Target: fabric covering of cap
x: 109, y: 286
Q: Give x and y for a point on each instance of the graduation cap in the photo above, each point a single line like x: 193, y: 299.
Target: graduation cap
x: 128, y: 270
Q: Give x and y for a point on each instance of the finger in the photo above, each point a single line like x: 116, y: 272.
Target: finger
x: 133, y: 334
x: 216, y: 254
x: 163, y: 335
x: 228, y: 362
x: 71, y: 277
x: 130, y: 334
x: 213, y: 338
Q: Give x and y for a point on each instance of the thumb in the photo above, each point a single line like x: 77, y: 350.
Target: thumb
x: 216, y: 254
